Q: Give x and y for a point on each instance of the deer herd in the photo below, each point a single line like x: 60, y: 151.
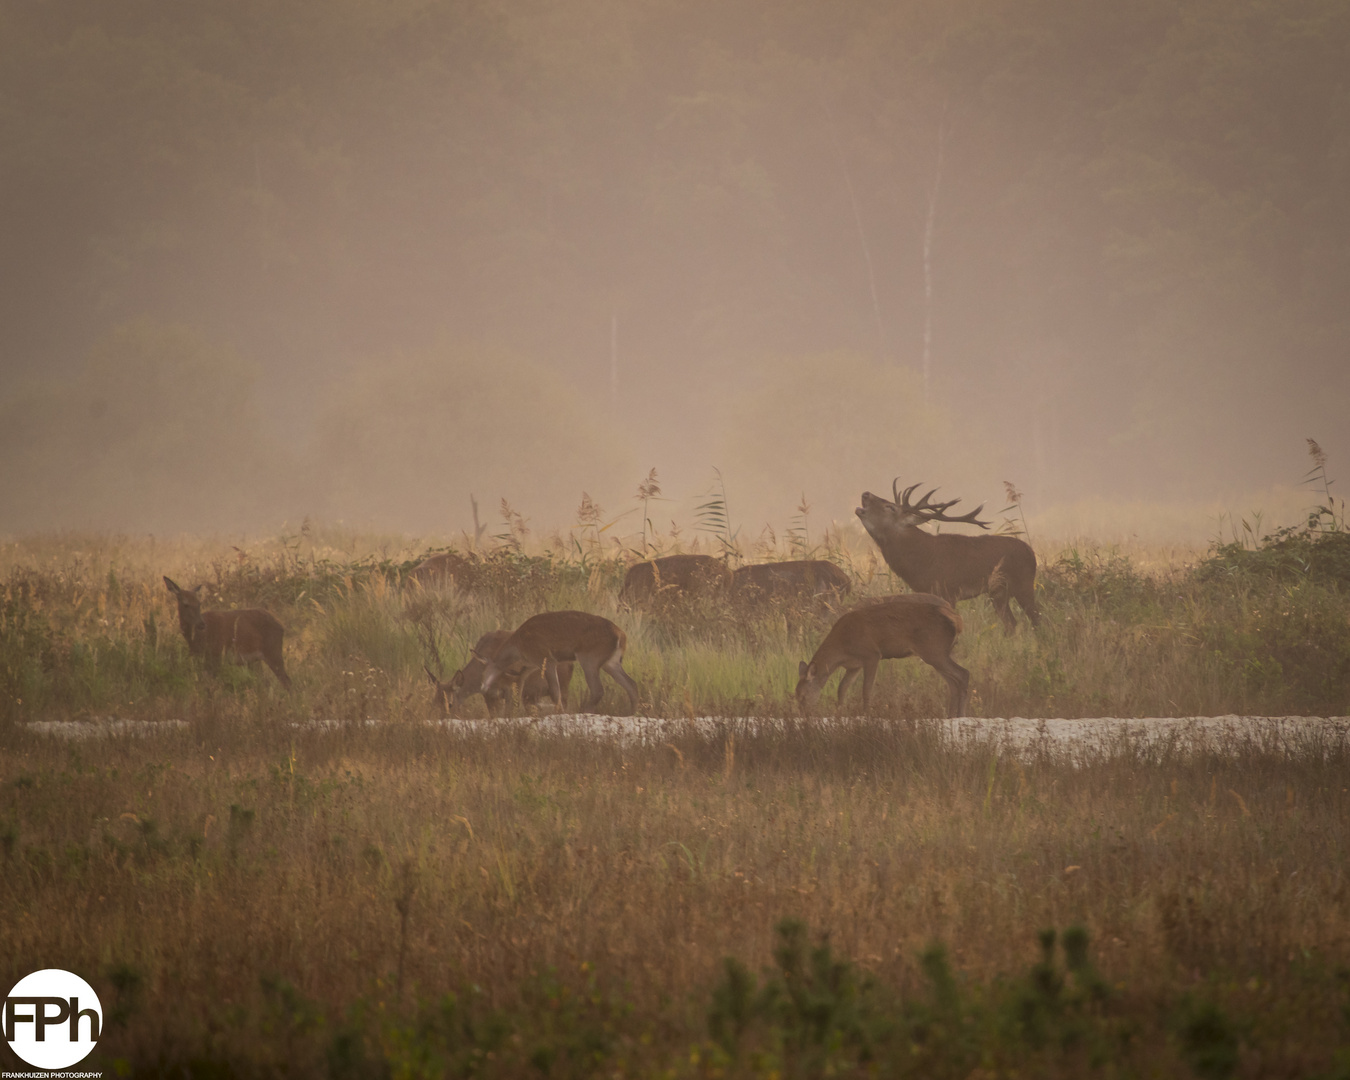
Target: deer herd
x: 535, y: 662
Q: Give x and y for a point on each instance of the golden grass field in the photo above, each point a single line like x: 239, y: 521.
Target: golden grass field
x: 254, y: 894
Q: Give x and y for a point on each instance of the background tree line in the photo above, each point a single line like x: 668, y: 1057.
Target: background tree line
x: 1121, y: 229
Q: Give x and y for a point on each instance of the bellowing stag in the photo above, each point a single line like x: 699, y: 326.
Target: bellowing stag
x: 693, y: 575
x: 249, y: 633
x: 951, y: 566
x: 543, y: 642
x: 790, y: 580
x: 468, y: 680
x: 914, y: 624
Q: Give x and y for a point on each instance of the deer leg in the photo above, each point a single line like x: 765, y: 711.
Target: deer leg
x: 850, y: 677
x: 1026, y: 600
x: 1003, y: 611
x: 551, y: 677
x: 278, y: 666
x: 564, y: 681
x: 597, y: 689
x: 870, y: 666
x: 614, y: 665
x: 958, y: 678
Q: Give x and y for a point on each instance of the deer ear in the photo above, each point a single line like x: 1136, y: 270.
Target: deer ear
x: 170, y: 583
x: 434, y: 681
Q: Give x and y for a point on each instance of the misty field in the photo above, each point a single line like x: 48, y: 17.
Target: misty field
x: 254, y: 894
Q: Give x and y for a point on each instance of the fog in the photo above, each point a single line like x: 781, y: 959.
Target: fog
x: 365, y: 261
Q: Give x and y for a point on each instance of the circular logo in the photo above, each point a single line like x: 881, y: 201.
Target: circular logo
x: 52, y: 1019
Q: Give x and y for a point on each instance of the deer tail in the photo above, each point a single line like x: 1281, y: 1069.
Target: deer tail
x: 950, y: 614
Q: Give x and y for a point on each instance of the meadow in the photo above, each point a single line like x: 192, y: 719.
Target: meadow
x: 255, y: 894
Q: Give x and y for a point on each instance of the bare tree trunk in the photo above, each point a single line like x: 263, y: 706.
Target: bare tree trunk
x: 929, y: 223
x: 862, y: 236
x: 614, y: 358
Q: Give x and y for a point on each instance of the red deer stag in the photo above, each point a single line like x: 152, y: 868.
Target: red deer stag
x: 249, y: 634
x: 951, y: 566
x: 792, y: 579
x: 544, y: 642
x: 915, y: 624
x: 468, y: 680
x: 694, y: 575
x: 436, y: 570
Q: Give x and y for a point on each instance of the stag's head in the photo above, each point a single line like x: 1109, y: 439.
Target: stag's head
x: 885, y: 518
x: 190, y: 618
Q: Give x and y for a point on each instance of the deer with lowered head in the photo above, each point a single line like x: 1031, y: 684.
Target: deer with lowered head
x: 544, y: 642
x: 248, y: 633
x: 913, y: 624
x: 950, y: 565
x: 468, y: 680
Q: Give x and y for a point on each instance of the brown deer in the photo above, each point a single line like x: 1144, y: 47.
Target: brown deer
x: 913, y: 624
x: 443, y: 569
x: 543, y: 642
x: 695, y: 575
x: 951, y: 566
x: 468, y: 680
x: 249, y: 633
x: 792, y: 579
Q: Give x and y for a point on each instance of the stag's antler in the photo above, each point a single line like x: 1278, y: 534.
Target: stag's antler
x: 931, y: 511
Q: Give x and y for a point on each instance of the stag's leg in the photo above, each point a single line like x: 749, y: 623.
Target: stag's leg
x: 614, y: 665
x: 1003, y: 611
x: 1026, y: 600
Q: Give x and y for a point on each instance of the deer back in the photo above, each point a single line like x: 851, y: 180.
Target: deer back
x: 890, y: 628
x: 440, y: 569
x: 692, y: 574
x: 792, y: 578
x: 558, y: 635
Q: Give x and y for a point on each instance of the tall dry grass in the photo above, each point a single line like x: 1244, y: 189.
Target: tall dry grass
x: 256, y: 899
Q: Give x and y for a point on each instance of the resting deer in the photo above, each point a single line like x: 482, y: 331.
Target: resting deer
x: 468, y: 680
x: 795, y: 578
x: 249, y: 633
x: 691, y: 574
x: 543, y: 642
x: 443, y: 569
x: 951, y: 566
x: 914, y: 624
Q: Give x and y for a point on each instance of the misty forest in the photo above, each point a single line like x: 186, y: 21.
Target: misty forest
x: 636, y: 538
x: 361, y: 260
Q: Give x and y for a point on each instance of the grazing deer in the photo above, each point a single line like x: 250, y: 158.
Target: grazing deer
x: 695, y: 575
x: 543, y: 642
x: 249, y: 633
x: 443, y: 569
x: 913, y: 624
x: 951, y: 566
x: 792, y: 579
x: 468, y: 680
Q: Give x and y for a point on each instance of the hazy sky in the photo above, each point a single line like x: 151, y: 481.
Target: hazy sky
x: 361, y: 260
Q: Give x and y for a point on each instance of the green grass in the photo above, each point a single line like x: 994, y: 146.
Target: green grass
x: 80, y: 633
